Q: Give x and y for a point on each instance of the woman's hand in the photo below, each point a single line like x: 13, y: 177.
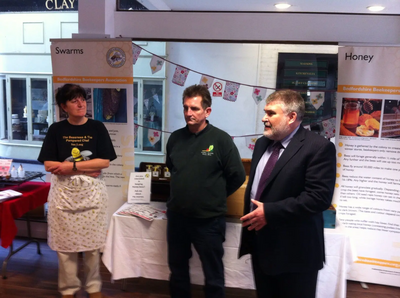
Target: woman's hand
x: 62, y: 168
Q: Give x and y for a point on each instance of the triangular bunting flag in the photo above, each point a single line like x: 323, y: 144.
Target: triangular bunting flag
x: 251, y: 141
x: 231, y: 91
x: 180, y: 75
x: 317, y: 99
x: 156, y: 64
x: 153, y: 136
x: 206, y: 81
x: 136, y: 52
x: 156, y: 98
x: 146, y: 102
x: 329, y: 126
x: 259, y: 94
x: 135, y: 131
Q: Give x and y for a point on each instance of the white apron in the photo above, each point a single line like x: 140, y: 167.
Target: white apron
x: 77, y: 213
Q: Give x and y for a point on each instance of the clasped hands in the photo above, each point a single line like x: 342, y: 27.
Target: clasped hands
x: 255, y: 220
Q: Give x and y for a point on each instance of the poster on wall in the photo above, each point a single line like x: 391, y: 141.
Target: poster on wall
x: 104, y: 67
x: 367, y: 194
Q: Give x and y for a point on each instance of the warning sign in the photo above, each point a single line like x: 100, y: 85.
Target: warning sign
x: 217, y: 89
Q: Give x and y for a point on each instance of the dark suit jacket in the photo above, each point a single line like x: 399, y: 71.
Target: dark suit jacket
x: 299, y: 188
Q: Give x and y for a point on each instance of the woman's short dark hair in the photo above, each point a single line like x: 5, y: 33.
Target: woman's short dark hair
x: 69, y: 92
x: 198, y: 90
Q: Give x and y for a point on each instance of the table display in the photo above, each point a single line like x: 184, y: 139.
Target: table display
x: 29, y: 175
x: 137, y: 248
x: 34, y: 194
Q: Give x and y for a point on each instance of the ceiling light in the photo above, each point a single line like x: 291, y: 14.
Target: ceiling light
x: 376, y: 8
x: 282, y: 5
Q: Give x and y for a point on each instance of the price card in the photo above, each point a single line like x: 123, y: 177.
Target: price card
x: 139, y: 187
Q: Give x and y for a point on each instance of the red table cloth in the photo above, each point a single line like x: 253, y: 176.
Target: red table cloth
x: 34, y: 194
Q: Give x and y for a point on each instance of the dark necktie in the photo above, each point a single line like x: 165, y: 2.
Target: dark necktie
x: 268, y: 168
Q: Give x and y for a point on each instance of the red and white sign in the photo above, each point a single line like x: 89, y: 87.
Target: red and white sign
x: 217, y: 87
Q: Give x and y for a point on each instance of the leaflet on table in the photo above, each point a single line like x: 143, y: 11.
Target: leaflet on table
x: 144, y: 211
x: 9, y: 194
x: 139, y: 187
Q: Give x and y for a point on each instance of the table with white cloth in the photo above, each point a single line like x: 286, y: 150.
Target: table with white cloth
x: 136, y: 247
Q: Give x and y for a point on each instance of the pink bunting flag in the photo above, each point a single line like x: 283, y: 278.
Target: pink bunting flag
x: 329, y: 126
x: 231, y: 91
x: 180, y: 75
x: 136, y: 52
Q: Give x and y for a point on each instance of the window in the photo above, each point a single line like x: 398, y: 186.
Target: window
x: 3, y: 108
x: 148, y: 114
x: 27, y: 108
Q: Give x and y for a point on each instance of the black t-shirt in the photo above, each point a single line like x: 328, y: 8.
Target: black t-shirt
x: 90, y: 140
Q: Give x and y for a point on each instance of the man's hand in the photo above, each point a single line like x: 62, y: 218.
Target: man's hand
x: 255, y: 220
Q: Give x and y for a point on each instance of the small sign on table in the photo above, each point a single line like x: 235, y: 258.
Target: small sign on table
x: 139, y: 187
x: 5, y: 165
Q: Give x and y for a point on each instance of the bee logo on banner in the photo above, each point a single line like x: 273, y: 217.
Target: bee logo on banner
x: 116, y: 57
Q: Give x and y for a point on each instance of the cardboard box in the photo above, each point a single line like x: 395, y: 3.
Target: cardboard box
x: 235, y: 202
x: 246, y: 164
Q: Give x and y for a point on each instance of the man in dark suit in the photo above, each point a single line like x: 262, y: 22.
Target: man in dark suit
x: 283, y: 227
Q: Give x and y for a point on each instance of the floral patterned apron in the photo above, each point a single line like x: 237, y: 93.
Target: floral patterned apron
x: 77, y: 213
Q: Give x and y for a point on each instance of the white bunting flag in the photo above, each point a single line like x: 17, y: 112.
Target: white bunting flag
x: 146, y: 102
x: 317, y: 99
x: 153, y: 136
x: 156, y: 64
x: 156, y: 98
x: 251, y: 142
x: 206, y: 81
x: 259, y: 94
x: 136, y: 127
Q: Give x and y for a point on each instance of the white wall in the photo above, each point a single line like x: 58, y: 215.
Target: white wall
x: 25, y: 34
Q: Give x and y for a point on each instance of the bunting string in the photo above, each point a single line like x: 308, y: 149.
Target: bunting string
x: 137, y: 52
x: 230, y: 94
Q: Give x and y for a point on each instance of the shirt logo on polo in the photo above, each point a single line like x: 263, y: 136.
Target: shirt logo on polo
x: 208, y: 151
